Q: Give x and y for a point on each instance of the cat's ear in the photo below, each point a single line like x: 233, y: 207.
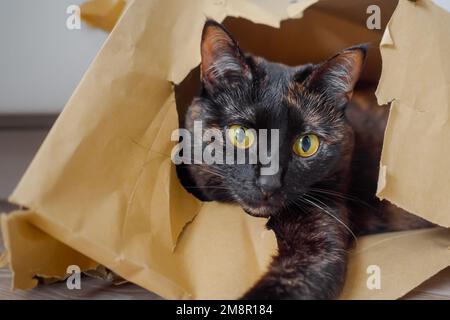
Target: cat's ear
x: 337, y: 77
x: 222, y: 60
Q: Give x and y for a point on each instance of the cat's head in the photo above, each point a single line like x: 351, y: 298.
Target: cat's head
x: 305, y: 104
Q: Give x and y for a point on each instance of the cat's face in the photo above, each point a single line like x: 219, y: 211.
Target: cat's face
x: 305, y: 105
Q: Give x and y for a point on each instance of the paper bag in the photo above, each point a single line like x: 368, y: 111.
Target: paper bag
x: 416, y: 77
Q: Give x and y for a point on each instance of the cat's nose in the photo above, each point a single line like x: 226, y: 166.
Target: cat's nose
x: 269, y: 184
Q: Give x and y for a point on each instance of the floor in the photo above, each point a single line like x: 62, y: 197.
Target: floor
x: 19, y: 141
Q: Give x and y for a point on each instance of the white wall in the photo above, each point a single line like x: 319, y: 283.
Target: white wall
x: 41, y: 61
x: 443, y: 3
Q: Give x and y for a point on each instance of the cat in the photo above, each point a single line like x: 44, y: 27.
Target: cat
x: 323, y: 194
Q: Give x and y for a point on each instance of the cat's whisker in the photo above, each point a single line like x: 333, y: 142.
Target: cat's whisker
x: 343, y: 196
x: 331, y: 215
x: 211, y: 171
x: 334, y: 193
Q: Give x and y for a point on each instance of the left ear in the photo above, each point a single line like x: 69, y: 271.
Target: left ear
x: 337, y: 77
x: 223, y: 62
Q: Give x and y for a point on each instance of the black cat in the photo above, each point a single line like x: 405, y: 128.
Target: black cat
x: 313, y: 201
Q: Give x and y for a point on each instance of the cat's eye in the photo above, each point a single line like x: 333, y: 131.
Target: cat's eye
x: 240, y: 136
x: 306, y: 145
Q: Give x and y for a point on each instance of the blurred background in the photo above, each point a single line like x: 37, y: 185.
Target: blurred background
x: 41, y: 63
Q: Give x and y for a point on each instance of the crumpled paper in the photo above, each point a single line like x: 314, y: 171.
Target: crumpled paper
x: 102, y: 14
x: 416, y: 78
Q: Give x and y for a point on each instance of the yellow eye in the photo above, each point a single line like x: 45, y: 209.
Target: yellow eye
x: 306, y: 145
x: 241, y: 137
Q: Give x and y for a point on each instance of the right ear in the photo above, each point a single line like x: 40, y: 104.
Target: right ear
x: 223, y: 62
x: 337, y: 77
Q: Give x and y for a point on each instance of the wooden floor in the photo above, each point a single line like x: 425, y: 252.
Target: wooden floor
x: 91, y: 288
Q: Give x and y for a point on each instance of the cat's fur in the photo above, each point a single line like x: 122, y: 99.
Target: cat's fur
x: 314, y: 204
